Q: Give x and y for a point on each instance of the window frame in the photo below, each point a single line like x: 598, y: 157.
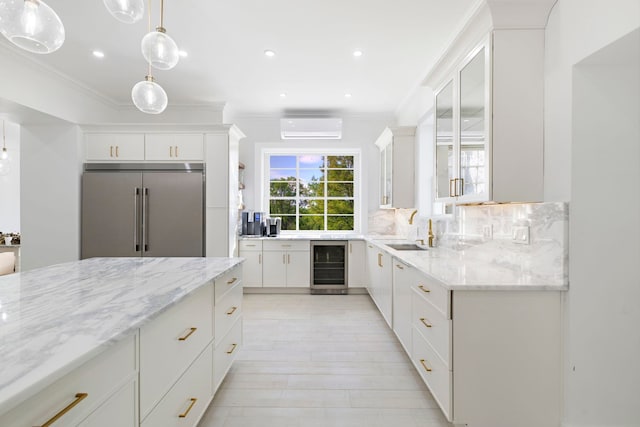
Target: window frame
x: 357, y: 174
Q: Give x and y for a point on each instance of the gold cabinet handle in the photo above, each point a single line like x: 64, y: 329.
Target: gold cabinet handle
x: 285, y: 246
x: 111, y: 151
x: 233, y: 348
x: 400, y: 267
x: 191, y: 331
x: 452, y: 192
x: 230, y: 312
x: 117, y: 151
x: 424, y: 364
x: 425, y: 322
x: 423, y: 289
x: 170, y: 151
x: 370, y: 246
x: 379, y: 260
x: 350, y: 248
x: 250, y: 246
x: 232, y: 281
x: 79, y: 398
x: 185, y: 413
x: 176, y: 151
x: 288, y: 258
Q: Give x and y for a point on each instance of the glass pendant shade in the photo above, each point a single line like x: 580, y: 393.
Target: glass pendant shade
x: 160, y: 50
x: 149, y: 96
x: 31, y: 25
x: 5, y: 154
x: 127, y: 11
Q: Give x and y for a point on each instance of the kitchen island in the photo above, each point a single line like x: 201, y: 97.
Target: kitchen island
x: 55, y: 320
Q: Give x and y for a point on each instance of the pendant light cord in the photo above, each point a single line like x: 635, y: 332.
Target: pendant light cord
x: 4, y: 140
x: 162, y: 13
x: 149, y: 26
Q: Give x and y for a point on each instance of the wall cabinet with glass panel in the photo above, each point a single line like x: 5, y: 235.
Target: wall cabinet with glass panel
x: 488, y: 133
x: 397, y: 167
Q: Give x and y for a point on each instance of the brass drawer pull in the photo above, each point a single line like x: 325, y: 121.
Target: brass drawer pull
x: 379, y: 260
x: 425, y: 322
x: 232, y: 281
x: 176, y: 150
x: 111, y: 151
x: 185, y: 413
x: 424, y: 364
x: 285, y: 246
x: 117, y: 151
x: 233, y: 348
x: 191, y: 331
x: 400, y: 267
x: 79, y: 398
x: 170, y: 151
x: 230, y: 312
x: 423, y: 289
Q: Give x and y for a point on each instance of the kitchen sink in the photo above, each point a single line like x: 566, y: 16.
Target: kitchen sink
x: 406, y: 247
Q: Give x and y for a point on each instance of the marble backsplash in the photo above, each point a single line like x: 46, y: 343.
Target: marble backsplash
x: 548, y: 227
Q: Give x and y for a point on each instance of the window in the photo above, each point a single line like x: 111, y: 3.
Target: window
x: 312, y: 191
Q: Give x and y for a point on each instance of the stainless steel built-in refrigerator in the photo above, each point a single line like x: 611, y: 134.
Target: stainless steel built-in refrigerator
x: 148, y: 210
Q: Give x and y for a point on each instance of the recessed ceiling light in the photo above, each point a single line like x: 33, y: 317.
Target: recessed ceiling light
x: 283, y: 95
x: 347, y: 95
x: 98, y: 53
x: 357, y: 53
x: 269, y: 53
x: 183, y: 53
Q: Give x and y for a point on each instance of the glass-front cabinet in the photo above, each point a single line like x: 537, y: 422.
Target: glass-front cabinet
x: 461, y: 132
x: 397, y: 167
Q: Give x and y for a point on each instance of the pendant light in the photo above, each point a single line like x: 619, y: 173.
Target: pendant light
x: 158, y: 48
x: 127, y: 11
x: 31, y: 25
x: 147, y: 95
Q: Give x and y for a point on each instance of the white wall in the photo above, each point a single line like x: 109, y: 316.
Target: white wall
x: 50, y: 194
x: 359, y: 132
x: 10, y: 184
x: 576, y: 29
x: 603, y: 343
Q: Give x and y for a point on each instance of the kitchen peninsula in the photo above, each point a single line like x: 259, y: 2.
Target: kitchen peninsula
x: 121, y: 339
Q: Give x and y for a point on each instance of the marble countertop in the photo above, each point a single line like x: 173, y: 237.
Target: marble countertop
x: 54, y: 319
x: 468, y: 270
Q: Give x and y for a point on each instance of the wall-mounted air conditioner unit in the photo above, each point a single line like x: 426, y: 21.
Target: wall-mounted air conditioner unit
x: 310, y: 128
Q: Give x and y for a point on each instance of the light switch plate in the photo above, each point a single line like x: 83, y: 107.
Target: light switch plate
x: 521, y: 235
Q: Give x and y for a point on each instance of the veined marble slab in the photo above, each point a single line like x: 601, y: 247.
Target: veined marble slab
x: 54, y: 319
x: 465, y: 270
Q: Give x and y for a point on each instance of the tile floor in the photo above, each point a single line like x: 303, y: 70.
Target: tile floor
x: 320, y: 360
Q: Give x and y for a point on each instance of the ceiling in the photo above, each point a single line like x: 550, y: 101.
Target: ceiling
x: 225, y: 40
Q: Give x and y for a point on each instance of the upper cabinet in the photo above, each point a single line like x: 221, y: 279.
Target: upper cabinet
x: 488, y: 122
x: 123, y: 147
x: 397, y: 167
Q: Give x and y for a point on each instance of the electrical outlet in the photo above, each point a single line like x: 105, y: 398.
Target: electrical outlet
x: 520, y: 235
x: 487, y: 231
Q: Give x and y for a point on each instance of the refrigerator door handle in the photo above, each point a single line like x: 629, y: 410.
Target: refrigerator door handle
x: 136, y: 220
x: 145, y: 219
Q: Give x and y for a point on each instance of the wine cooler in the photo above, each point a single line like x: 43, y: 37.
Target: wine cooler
x: 329, y: 267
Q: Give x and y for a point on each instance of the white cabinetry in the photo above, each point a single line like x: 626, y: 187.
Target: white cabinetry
x: 489, y: 131
x: 221, y: 158
x: 173, y: 147
x: 356, y: 264
x: 379, y: 283
x: 115, y: 147
x: 228, y: 323
x: 251, y: 251
x: 404, y: 277
x: 286, y: 263
x: 397, y: 167
x: 90, y: 392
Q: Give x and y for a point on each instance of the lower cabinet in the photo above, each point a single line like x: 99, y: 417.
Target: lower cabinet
x: 89, y: 392
x: 165, y: 375
x: 356, y: 264
x: 403, y: 279
x: 380, y: 280
x: 251, y: 251
x: 186, y: 401
x: 287, y: 263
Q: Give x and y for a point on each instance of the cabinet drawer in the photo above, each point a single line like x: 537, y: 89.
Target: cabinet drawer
x: 227, y: 282
x: 435, y: 374
x: 435, y: 293
x: 432, y: 324
x: 187, y: 400
x: 227, y: 311
x: 171, y: 342
x: 226, y: 351
x: 119, y: 410
x: 250, y: 245
x: 98, y: 378
x: 286, y: 245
